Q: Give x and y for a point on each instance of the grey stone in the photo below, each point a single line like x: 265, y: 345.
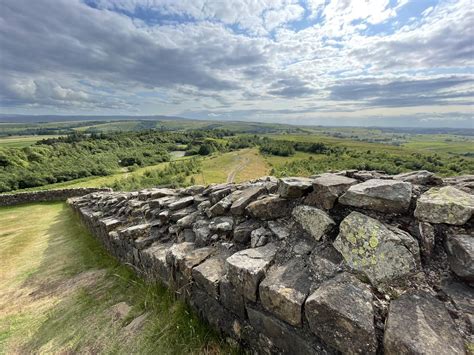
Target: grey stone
x: 427, y: 239
x: 327, y: 189
x: 421, y: 177
x: 232, y: 298
x: 259, y: 237
x: 192, y: 259
x: 244, y: 198
x: 461, y: 294
x: 340, y: 312
x: 294, y: 187
x: 281, y: 336
x: 284, y: 290
x: 419, y: 324
x: 220, y: 207
x: 315, y: 221
x: 380, y: 252
x: 209, y: 274
x: 177, y: 252
x: 218, y: 195
x: 280, y: 229
x: 181, y: 203
x: 154, y: 260
x: 460, y: 250
x: 176, y: 215
x: 445, y: 205
x: 194, y: 190
x: 246, y: 268
x: 221, y: 224
x: 270, y: 207
x: 380, y: 195
x: 202, y: 231
x: 243, y: 230
x: 187, y: 221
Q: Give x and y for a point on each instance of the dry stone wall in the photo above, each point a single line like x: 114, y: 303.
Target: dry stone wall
x: 45, y: 196
x: 349, y: 262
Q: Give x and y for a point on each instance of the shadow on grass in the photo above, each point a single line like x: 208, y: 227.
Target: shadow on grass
x: 80, y: 320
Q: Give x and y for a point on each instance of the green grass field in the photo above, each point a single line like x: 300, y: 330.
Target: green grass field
x: 61, y: 293
x: 22, y: 141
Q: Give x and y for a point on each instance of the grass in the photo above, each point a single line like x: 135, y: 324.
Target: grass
x: 58, y: 287
x: 22, y: 141
x: 244, y: 164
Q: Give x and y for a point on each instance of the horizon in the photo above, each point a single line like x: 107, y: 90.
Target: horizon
x: 334, y: 63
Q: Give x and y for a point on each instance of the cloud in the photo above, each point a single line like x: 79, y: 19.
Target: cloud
x: 404, y: 92
x: 268, y: 58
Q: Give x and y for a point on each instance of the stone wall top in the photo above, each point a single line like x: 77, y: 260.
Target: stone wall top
x: 351, y: 262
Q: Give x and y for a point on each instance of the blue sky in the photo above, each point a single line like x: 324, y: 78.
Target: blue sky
x: 333, y: 62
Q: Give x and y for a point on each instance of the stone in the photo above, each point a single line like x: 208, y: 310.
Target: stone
x: 418, y: 323
x: 280, y: 229
x: 193, y: 258
x: 231, y: 298
x: 176, y: 215
x: 270, y: 207
x: 209, y: 274
x: 218, y: 195
x: 284, y: 290
x: 327, y: 189
x: 281, y: 336
x: 202, y: 231
x: 313, y: 220
x: 177, y: 252
x: 340, y: 312
x: 246, y: 268
x: 220, y: 207
x: 243, y: 231
x: 427, y: 239
x: 194, y: 190
x: 462, y: 296
x: 460, y: 250
x: 155, y: 265
x: 380, y: 252
x: 221, y: 224
x: 188, y: 221
x: 378, y: 194
x: 421, y: 177
x: 445, y: 205
x: 259, y: 237
x: 245, y: 197
x: 161, y: 192
x: 181, y: 203
x: 294, y: 187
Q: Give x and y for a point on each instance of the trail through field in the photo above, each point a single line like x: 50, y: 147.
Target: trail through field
x: 60, y: 292
x: 244, y: 162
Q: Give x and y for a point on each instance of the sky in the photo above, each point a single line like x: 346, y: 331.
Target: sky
x: 329, y: 62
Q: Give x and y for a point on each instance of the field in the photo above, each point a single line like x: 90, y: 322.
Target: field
x: 21, y: 141
x: 238, y: 166
x: 61, y: 293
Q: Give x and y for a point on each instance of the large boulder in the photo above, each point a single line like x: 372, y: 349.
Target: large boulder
x: 380, y: 195
x: 419, y: 324
x: 270, y: 207
x: 445, y: 205
x: 340, y: 312
x: 326, y: 190
x: 284, y: 291
x: 246, y: 268
x: 313, y: 220
x: 461, y: 255
x: 421, y: 177
x: 294, y: 187
x: 380, y: 252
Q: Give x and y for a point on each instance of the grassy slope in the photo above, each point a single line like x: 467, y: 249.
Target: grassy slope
x: 57, y: 287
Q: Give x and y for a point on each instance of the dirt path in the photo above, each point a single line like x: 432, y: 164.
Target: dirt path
x: 237, y: 168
